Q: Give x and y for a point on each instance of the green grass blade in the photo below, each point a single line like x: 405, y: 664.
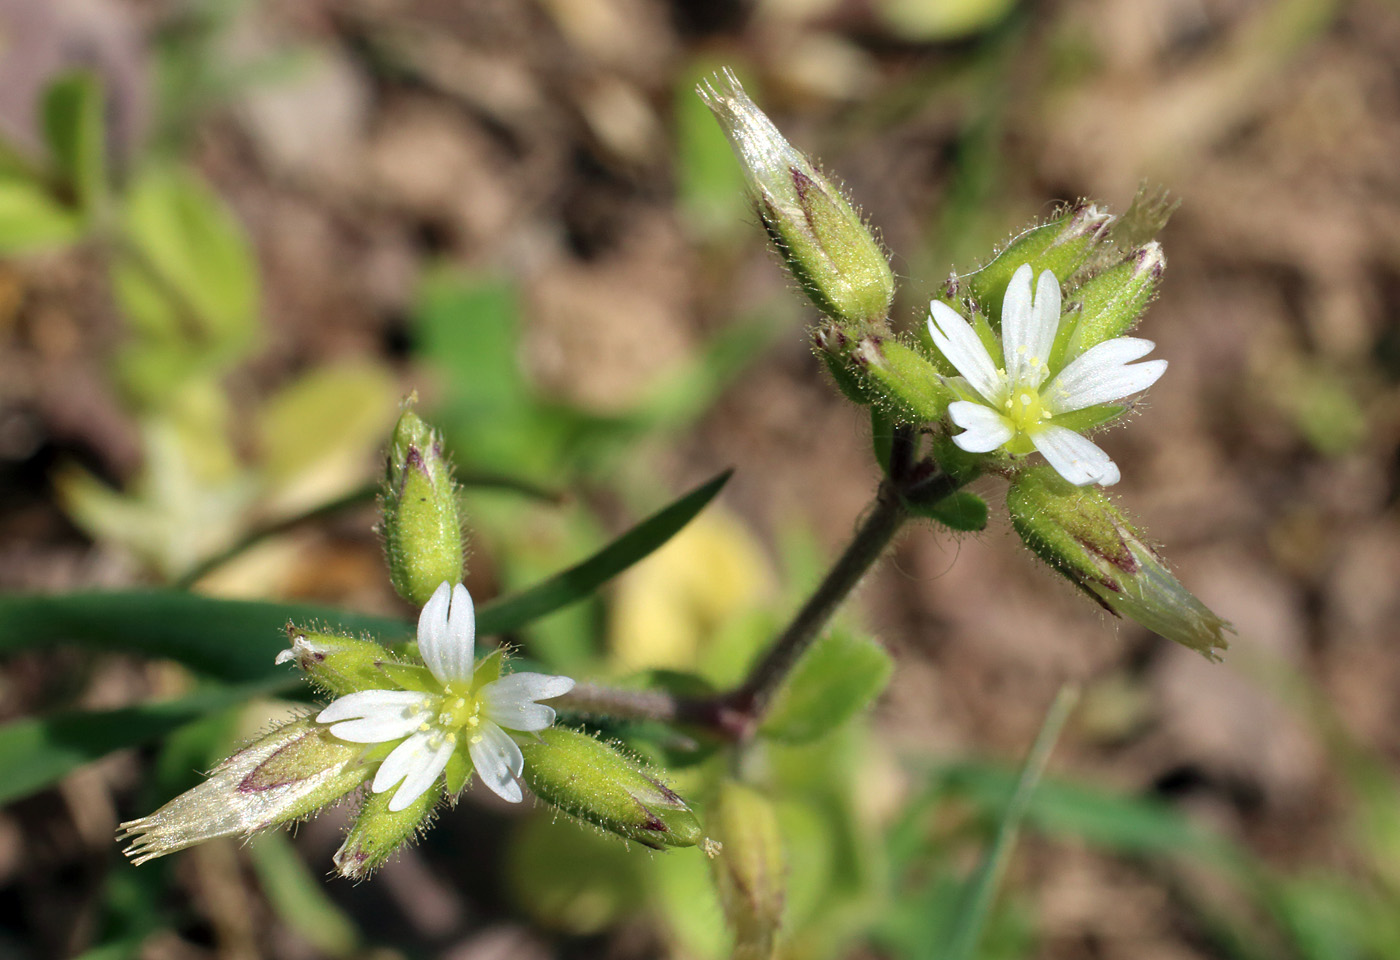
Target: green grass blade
x: 37, y: 751
x: 236, y: 641
x: 231, y: 640
x: 582, y: 579
x: 982, y: 890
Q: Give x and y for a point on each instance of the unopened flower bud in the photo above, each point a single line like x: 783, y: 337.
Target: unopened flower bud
x: 1113, y: 301
x: 1079, y: 532
x: 750, y: 868
x: 1061, y: 246
x: 286, y: 775
x: 422, y: 529
x: 903, y: 381
x: 336, y: 664
x: 829, y: 249
x: 593, y: 781
x: 378, y: 831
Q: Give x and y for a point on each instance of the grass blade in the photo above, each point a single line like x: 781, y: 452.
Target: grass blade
x: 977, y: 900
x: 580, y: 580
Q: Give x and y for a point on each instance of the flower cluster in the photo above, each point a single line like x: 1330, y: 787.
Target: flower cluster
x: 1017, y: 400
x: 461, y: 714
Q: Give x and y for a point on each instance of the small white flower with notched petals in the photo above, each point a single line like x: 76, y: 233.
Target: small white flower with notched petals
x: 457, y: 717
x: 1015, y: 406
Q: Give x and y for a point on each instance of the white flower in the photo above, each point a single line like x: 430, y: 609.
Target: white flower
x: 1013, y: 407
x: 457, y: 716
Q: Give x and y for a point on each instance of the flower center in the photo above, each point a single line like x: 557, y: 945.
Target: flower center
x: 458, y: 709
x: 1024, y: 409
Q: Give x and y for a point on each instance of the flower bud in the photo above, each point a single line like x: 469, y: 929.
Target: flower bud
x: 286, y: 775
x: 826, y: 245
x: 422, y: 529
x: 905, y: 382
x: 1112, y: 302
x: 596, y: 782
x: 836, y: 349
x: 1061, y: 246
x: 336, y: 664
x: 1079, y: 532
x: 378, y: 831
x: 750, y: 868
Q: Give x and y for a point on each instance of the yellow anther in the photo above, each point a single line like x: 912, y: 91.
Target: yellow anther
x: 473, y: 721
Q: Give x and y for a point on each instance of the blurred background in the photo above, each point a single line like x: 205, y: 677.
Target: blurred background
x: 303, y: 211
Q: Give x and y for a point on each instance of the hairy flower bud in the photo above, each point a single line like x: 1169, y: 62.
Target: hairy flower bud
x: 596, y: 782
x: 1111, y: 303
x: 828, y: 248
x: 378, y: 831
x: 902, y: 381
x: 336, y: 664
x: 287, y: 774
x: 750, y: 868
x: 1079, y: 532
x: 422, y: 529
x: 1060, y: 245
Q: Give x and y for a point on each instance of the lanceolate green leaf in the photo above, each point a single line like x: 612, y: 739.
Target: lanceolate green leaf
x: 36, y: 751
x: 237, y: 640
x: 581, y: 580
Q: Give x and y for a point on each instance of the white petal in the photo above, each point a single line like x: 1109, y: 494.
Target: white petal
x: 432, y: 624
x: 498, y: 761
x: 956, y: 340
x: 985, y: 429
x: 509, y: 700
x: 408, y: 755
x: 375, y: 716
x: 1076, y: 458
x: 1028, y: 328
x: 447, y: 633
x: 423, y: 773
x: 1102, y: 375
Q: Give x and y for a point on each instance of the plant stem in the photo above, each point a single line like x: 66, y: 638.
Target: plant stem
x: 887, y: 514
x: 735, y: 714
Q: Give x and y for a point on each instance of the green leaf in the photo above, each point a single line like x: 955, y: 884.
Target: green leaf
x: 187, y: 272
x: 836, y: 678
x: 73, y: 128
x: 36, y: 751
x: 232, y: 640
x: 30, y: 220
x: 580, y: 580
x: 958, y: 511
x: 236, y: 640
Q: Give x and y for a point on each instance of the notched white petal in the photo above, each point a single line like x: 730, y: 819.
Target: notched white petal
x: 432, y: 627
x: 1076, y: 458
x: 1016, y: 319
x: 984, y: 428
x: 956, y: 340
x: 1104, y: 374
x: 498, y: 761
x: 427, y: 767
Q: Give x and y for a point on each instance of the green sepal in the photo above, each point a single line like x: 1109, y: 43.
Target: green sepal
x: 459, y: 768
x: 962, y: 466
x: 1060, y: 245
x: 410, y: 676
x: 962, y: 511
x: 379, y: 832
x: 422, y: 525
x: 836, y: 678
x: 488, y: 669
